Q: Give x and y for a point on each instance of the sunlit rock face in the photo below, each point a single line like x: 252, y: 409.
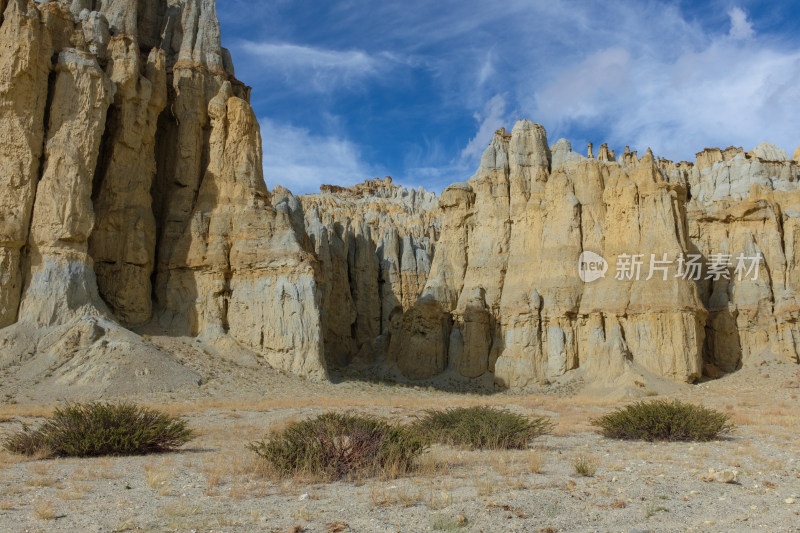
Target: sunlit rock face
x: 132, y: 195
x: 132, y: 191
x: 505, y: 295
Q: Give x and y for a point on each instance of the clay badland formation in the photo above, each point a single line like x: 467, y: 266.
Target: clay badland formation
x: 132, y: 196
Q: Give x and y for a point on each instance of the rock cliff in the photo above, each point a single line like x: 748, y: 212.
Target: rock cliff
x: 504, y: 295
x: 131, y: 189
x: 132, y: 196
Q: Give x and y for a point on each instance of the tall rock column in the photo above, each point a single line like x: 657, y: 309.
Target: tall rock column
x: 61, y: 280
x: 197, y: 76
x: 24, y: 69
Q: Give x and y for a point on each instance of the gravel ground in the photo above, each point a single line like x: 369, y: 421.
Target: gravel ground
x: 216, y: 485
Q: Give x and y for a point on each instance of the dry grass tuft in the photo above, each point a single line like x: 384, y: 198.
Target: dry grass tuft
x: 585, y: 466
x: 44, y: 510
x: 158, y: 478
x: 73, y: 492
x: 403, y: 496
x: 182, y: 508
x: 42, y: 481
x: 7, y: 504
x: 536, y: 461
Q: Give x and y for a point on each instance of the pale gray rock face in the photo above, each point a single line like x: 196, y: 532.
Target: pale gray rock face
x: 375, y: 242
x: 562, y: 154
x: 505, y: 271
x: 96, y: 33
x: 734, y: 177
x: 770, y: 152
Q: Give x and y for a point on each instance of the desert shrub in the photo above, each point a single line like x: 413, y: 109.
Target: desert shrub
x: 481, y: 427
x: 94, y: 429
x: 662, y: 420
x: 336, y: 446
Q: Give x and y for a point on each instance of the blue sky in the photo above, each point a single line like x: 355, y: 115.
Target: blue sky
x: 352, y: 89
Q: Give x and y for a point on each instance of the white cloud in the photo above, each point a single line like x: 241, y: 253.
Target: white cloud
x: 491, y: 119
x: 319, y: 69
x: 487, y: 68
x: 741, y: 28
x: 302, y: 160
x: 628, y: 73
x: 581, y: 90
x: 724, y: 94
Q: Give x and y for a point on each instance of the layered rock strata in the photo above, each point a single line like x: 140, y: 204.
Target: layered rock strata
x: 132, y: 190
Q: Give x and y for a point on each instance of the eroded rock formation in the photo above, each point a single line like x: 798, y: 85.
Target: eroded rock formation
x: 132, y: 189
x: 504, y: 295
x: 132, y: 194
x: 374, y: 242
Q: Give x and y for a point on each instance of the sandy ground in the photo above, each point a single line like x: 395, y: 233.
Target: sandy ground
x: 215, y: 484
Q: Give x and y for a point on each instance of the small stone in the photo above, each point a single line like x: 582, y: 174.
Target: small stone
x: 725, y: 476
x: 461, y: 519
x: 789, y: 500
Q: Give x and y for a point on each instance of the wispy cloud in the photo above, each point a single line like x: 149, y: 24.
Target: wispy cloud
x: 492, y: 118
x: 741, y: 28
x: 302, y: 160
x: 318, y: 69
x: 423, y: 85
x: 723, y: 92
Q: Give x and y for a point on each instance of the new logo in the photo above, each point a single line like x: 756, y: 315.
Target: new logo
x: 591, y: 267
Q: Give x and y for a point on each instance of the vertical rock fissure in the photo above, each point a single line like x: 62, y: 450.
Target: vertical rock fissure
x: 106, y: 143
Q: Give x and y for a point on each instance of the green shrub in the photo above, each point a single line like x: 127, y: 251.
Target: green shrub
x: 661, y: 420
x: 335, y: 446
x: 94, y: 429
x: 481, y: 427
